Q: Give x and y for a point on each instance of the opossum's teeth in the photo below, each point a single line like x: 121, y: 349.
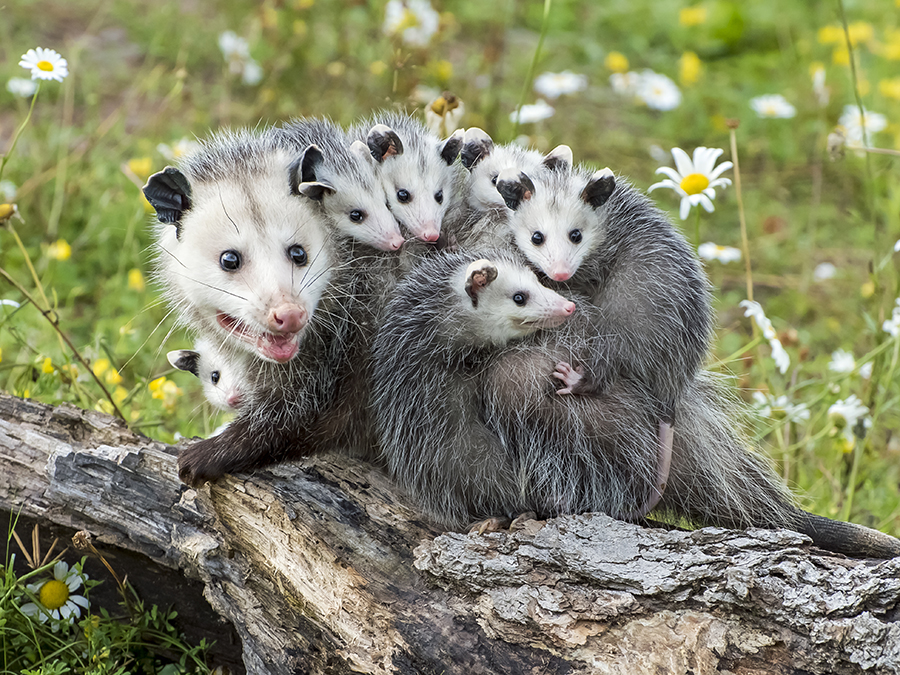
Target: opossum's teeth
x: 280, y: 348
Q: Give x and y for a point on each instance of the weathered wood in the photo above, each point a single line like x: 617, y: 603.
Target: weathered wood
x: 323, y: 568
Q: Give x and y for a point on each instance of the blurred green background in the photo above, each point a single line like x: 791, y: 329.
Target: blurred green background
x: 145, y: 79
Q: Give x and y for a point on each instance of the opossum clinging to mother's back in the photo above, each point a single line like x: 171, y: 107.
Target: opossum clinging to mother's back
x: 249, y: 262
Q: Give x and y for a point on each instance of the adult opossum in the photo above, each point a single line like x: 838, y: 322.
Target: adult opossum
x: 472, y: 424
x: 227, y: 376
x: 343, y: 176
x: 250, y: 262
x: 420, y: 175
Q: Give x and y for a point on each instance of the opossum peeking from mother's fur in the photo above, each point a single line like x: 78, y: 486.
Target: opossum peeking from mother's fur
x: 249, y: 262
x: 227, y: 377
x: 594, y: 234
x: 420, y: 175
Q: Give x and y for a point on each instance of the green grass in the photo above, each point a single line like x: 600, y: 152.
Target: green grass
x: 144, y: 74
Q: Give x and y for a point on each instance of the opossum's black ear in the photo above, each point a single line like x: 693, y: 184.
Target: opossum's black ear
x: 479, y: 275
x: 476, y: 146
x: 360, y: 148
x: 302, y: 174
x: 559, y: 158
x: 599, y: 188
x: 515, y: 187
x: 310, y: 163
x: 169, y: 192
x: 451, y: 147
x: 383, y: 142
x: 185, y: 359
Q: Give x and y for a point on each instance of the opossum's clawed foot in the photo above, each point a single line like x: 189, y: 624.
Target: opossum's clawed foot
x: 569, y: 376
x: 199, y: 463
x: 519, y: 522
x: 494, y: 524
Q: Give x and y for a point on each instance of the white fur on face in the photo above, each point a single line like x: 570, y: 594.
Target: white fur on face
x: 224, y: 375
x: 500, y: 315
x: 362, y: 215
x: 481, y: 183
x: 559, y: 218
x: 260, y: 220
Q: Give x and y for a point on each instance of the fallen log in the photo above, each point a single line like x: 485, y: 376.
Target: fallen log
x: 321, y: 566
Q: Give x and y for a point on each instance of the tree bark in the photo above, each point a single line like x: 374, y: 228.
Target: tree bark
x: 323, y: 567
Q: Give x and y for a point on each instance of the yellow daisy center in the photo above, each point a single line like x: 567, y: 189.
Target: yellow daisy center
x: 54, y: 594
x: 694, y: 183
x: 45, y: 65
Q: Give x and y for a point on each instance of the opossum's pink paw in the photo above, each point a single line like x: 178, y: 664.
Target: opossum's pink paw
x: 494, y: 524
x: 197, y: 464
x: 569, y: 376
x: 518, y: 523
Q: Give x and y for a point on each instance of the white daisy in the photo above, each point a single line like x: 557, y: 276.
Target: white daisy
x: 853, y: 124
x: 554, y: 85
x: 45, y: 64
x: 724, y: 254
x: 8, y: 190
x: 755, y: 310
x: 55, y: 599
x: 822, y: 93
x: 694, y: 180
x: 773, y: 106
x: 625, y: 83
x: 779, y: 407
x: 865, y: 370
x: 443, y: 115
x: 657, y: 91
x: 897, y: 246
x: 892, y: 325
x: 532, y: 112
x: 21, y: 86
x: 845, y: 415
x: 842, y: 362
x: 415, y: 20
x: 824, y: 271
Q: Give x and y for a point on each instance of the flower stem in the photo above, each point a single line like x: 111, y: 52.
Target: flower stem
x: 526, y: 85
x: 19, y: 131
x: 745, y: 243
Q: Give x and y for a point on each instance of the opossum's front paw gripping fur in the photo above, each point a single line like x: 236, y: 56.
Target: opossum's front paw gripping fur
x: 197, y: 464
x: 494, y: 524
x: 572, y: 378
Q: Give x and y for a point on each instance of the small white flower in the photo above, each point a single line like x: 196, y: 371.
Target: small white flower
x: 842, y: 362
x: 846, y: 414
x: 55, y: 599
x: 45, y: 64
x: 657, y: 91
x: 822, y: 93
x: 772, y: 106
x: 779, y: 407
x: 181, y: 148
x: 21, y: 86
x: 625, y: 84
x: 554, y: 85
x: 853, y: 124
x: 897, y: 246
x: 8, y: 190
x: 824, y: 271
x: 892, y: 325
x: 533, y: 112
x: 755, y: 310
x: 724, y: 254
x: 444, y: 114
x: 415, y: 20
x: 252, y: 73
x: 865, y: 370
x: 233, y: 47
x: 9, y: 303
x: 694, y: 180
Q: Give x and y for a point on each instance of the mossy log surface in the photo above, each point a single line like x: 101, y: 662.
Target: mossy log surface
x: 323, y: 567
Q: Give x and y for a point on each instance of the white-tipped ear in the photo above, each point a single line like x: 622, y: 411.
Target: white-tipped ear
x: 361, y: 149
x: 479, y: 275
x: 476, y: 146
x: 599, y: 188
x: 185, y: 359
x: 559, y: 159
x: 383, y: 142
x: 515, y: 187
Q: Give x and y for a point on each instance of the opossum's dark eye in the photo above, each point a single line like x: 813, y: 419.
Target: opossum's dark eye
x: 575, y: 236
x: 520, y: 298
x: 439, y: 196
x: 537, y: 238
x: 214, y: 377
x: 230, y: 261
x: 357, y: 216
x: 297, y: 255
x: 494, y: 179
x: 403, y: 196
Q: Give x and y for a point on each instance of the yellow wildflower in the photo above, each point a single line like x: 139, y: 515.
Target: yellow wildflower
x: 136, y: 280
x: 100, y: 366
x: 141, y: 167
x: 60, y: 250
x: 861, y: 31
x: 692, y: 16
x: 47, y: 366
x: 336, y: 68
x: 867, y: 290
x: 616, y: 62
x: 120, y: 394
x: 689, y: 68
x: 113, y: 377
x: 442, y: 69
x: 269, y: 17
x: 377, y: 68
x: 104, y: 406
x: 71, y: 370
x: 1, y: 354
x: 890, y: 88
x: 829, y: 35
x: 300, y: 28
x: 156, y: 385
x: 840, y: 56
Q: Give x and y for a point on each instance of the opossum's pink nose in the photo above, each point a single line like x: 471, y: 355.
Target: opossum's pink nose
x: 233, y: 400
x: 395, y: 242
x: 568, y: 308
x: 287, y: 318
x: 560, y: 272
x: 429, y: 233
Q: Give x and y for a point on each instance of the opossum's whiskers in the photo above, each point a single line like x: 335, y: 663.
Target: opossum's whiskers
x: 225, y: 211
x: 150, y: 335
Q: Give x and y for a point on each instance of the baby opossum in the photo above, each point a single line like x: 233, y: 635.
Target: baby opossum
x: 420, y: 175
x: 343, y: 176
x: 597, y: 236
x: 472, y: 425
x: 226, y: 377
x: 250, y: 263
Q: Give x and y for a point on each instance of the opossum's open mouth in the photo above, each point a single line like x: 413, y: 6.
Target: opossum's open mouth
x: 280, y: 347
